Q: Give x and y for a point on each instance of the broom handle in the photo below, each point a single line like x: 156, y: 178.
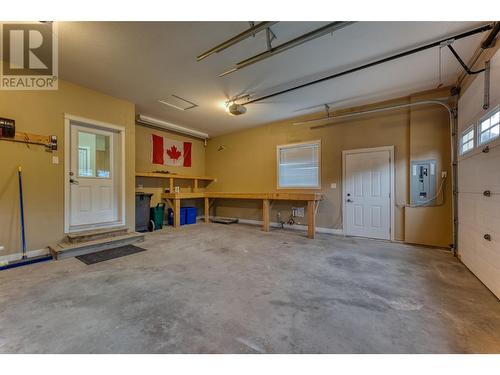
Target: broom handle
x: 21, y: 206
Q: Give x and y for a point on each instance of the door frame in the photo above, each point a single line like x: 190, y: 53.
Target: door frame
x: 392, y: 183
x: 67, y: 166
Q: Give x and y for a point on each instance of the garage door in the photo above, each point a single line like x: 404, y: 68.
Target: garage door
x: 479, y: 215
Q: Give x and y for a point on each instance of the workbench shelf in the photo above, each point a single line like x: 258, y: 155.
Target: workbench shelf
x: 171, y: 177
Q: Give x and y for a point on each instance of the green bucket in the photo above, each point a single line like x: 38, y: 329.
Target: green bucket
x: 157, y: 215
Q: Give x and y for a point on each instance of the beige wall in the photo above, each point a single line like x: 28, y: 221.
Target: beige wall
x: 143, y: 163
x: 248, y: 163
x: 430, y: 138
x: 42, y: 112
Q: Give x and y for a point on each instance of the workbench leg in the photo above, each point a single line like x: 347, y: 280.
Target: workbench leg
x: 177, y: 213
x: 265, y: 215
x: 207, y: 211
x: 311, y: 219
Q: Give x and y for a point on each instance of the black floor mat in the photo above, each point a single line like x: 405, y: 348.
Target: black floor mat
x: 117, y: 252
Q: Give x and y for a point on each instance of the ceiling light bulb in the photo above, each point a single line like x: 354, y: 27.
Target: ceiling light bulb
x: 236, y: 109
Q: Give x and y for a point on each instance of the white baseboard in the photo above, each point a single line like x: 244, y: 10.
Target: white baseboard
x: 287, y: 226
x: 17, y: 256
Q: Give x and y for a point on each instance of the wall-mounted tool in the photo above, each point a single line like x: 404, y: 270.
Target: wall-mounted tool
x: 52, y: 143
x: 7, y: 127
x: 8, y: 133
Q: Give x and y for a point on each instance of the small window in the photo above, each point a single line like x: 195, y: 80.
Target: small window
x: 299, y: 165
x: 467, y: 140
x: 489, y: 127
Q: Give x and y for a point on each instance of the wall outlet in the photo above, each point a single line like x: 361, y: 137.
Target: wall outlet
x: 333, y: 185
x: 298, y: 211
x: 444, y: 174
x: 55, y: 159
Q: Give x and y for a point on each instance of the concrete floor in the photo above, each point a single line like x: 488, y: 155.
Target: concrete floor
x: 234, y: 289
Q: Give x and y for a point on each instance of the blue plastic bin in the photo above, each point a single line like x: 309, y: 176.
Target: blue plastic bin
x: 182, y: 216
x: 190, y: 215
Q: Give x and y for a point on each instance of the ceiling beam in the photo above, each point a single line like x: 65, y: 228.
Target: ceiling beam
x: 236, y: 39
x: 329, y: 28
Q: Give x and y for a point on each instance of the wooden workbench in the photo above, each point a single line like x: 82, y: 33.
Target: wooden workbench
x: 312, y: 199
x: 172, y: 177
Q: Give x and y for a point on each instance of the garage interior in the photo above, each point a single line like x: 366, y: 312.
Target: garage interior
x: 252, y: 187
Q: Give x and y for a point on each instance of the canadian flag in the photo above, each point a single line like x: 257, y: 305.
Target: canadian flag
x: 169, y: 152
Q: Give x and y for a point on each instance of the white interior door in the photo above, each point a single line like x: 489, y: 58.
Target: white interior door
x: 367, y: 188
x: 93, y: 177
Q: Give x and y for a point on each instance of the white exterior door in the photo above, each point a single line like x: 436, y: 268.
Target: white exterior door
x: 93, y: 182
x: 367, y: 189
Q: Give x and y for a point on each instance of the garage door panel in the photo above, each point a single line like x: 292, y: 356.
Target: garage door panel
x: 471, y: 241
x: 478, y: 210
x: 480, y: 172
x: 483, y: 270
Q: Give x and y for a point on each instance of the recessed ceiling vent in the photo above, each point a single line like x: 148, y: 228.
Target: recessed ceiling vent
x: 179, y: 103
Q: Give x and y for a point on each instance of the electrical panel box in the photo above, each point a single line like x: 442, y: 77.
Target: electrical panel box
x: 423, y: 182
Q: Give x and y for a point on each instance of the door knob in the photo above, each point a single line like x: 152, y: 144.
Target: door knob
x: 487, y: 237
x: 72, y: 181
x: 350, y: 200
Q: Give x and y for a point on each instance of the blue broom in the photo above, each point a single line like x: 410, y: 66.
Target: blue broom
x: 24, y: 259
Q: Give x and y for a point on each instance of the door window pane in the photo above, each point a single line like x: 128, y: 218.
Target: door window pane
x: 94, y: 155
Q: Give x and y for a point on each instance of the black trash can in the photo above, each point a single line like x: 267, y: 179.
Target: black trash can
x: 142, y: 204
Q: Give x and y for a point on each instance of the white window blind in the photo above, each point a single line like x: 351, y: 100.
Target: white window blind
x: 298, y: 165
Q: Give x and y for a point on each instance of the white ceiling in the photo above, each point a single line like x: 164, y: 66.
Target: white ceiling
x: 144, y: 62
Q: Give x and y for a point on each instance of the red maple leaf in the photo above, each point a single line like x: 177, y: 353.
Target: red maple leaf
x: 173, y: 153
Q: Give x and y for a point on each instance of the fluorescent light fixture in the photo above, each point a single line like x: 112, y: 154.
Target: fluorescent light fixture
x: 169, y: 126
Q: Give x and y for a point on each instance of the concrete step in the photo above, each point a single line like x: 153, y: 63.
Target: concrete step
x: 96, y: 234
x: 66, y: 250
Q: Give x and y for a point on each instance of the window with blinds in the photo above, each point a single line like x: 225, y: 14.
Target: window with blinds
x: 299, y: 165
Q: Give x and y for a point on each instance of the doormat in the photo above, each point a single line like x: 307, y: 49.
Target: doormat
x: 117, y: 252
